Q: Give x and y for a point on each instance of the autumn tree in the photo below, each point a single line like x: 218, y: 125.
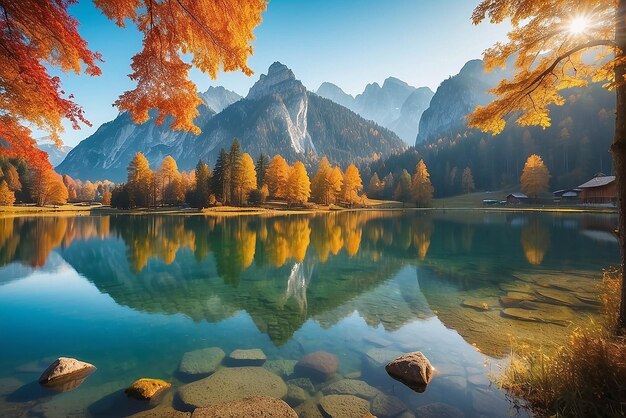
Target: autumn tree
x: 403, y: 187
x: 47, y: 188
x: 276, y: 177
x: 421, y: 187
x: 552, y: 44
x: 169, y: 182
x: 140, y: 181
x: 376, y: 187
x: 7, y: 197
x: 467, y: 181
x: 261, y: 168
x: 245, y: 180
x: 352, y: 185
x: 326, y: 184
x: 298, y: 184
x: 106, y: 197
x: 535, y: 177
x: 86, y: 192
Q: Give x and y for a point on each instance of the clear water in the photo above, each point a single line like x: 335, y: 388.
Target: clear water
x: 132, y: 294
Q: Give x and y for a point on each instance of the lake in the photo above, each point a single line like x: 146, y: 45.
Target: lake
x: 133, y: 293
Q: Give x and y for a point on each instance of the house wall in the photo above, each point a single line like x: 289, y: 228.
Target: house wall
x: 603, y: 194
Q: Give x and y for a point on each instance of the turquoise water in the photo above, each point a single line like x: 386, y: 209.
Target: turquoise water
x: 132, y: 294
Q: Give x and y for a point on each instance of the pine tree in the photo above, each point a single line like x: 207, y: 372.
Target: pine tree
x: 220, y: 181
x: 201, y: 187
x: 7, y: 197
x: 261, y: 168
x: 375, y: 187
x: 140, y: 181
x: 402, y: 192
x: 246, y: 180
x: 276, y: 177
x: 319, y: 184
x: 421, y: 187
x: 298, y: 184
x: 535, y: 177
x: 467, y: 180
x: 334, y: 185
x: 352, y: 185
x: 234, y: 155
x: 388, y: 189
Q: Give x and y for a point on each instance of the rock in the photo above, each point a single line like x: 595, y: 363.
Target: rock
x: 406, y: 414
x: 353, y: 375
x: 438, y: 410
x: 380, y: 356
x: 251, y: 407
x: 9, y: 385
x: 66, y: 374
x: 295, y: 395
x: 373, y: 339
x: 454, y: 382
x: 352, y: 387
x: 475, y: 304
x: 232, y: 384
x: 548, y: 316
x: 283, y: 368
x: 309, y: 409
x: 483, y: 400
x: 253, y: 357
x: 146, y: 389
x: 161, y: 412
x: 201, y: 362
x: 412, y: 369
x: 478, y: 380
x: 304, y: 383
x: 344, y: 406
x: 319, y: 365
x: 384, y: 406
x: 561, y: 297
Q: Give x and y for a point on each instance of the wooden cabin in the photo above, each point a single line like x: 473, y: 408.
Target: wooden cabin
x: 566, y: 195
x: 516, y: 198
x: 599, y: 190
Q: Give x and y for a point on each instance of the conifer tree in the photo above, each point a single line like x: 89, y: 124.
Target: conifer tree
x: 201, y: 187
x: 169, y: 182
x: 402, y: 192
x: 319, y: 184
x: 298, y: 184
x: 276, y: 177
x: 467, y: 180
x: 352, y: 185
x: 261, y: 168
x: 421, y: 187
x: 246, y: 180
x: 375, y: 187
x: 220, y: 174
x: 535, y: 177
x: 234, y: 155
x: 140, y: 181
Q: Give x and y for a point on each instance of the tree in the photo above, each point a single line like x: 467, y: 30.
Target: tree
x: 327, y: 183
x: 352, y: 185
x: 201, y: 189
x: 106, y: 197
x: 298, y: 185
x: 334, y: 185
x: 261, y: 168
x: 47, y: 188
x: 233, y: 172
x: 276, y: 177
x: 86, y: 192
x: 421, y: 187
x: 140, y: 181
x: 467, y: 181
x: 220, y: 176
x: 13, y: 178
x: 246, y: 180
x: 376, y: 187
x: 535, y: 177
x: 552, y: 44
x: 168, y: 180
x: 38, y: 36
x: 403, y: 187
x: 7, y: 197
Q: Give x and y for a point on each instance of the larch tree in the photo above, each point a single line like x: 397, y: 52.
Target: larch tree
x: 276, y: 177
x: 535, y: 177
x: 169, y: 181
x: 552, y: 42
x: 467, y: 181
x: 38, y: 36
x: 319, y: 184
x: 140, y: 181
x: 7, y: 197
x: 246, y: 180
x: 298, y: 185
x: 421, y: 187
x: 352, y: 185
x: 334, y: 185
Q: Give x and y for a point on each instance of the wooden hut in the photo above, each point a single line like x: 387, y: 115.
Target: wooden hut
x: 516, y: 198
x: 599, y: 190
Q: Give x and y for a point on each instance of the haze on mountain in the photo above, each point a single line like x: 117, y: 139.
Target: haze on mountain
x: 277, y: 116
x: 396, y: 105
x: 55, y: 154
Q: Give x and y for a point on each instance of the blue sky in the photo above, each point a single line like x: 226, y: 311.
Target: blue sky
x: 348, y: 42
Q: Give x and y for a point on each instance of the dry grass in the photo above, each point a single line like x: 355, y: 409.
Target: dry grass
x: 585, y: 377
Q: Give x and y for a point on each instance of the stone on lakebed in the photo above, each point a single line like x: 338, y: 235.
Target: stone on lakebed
x: 344, y: 406
x: 66, y: 373
x: 146, y: 389
x: 251, y: 407
x: 412, y: 369
x: 320, y: 365
x: 201, y: 362
x: 252, y: 357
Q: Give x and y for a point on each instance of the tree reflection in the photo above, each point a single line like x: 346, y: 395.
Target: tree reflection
x: 535, y: 240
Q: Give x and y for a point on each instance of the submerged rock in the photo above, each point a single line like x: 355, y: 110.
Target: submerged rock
x: 201, y: 362
x: 232, y: 384
x: 304, y: 383
x: 438, y: 410
x: 309, y: 409
x: 412, y: 369
x: 320, y: 365
x: 252, y: 357
x: 295, y: 395
x: 551, y: 315
x: 352, y: 387
x: 283, y: 368
x: 146, y: 389
x: 251, y: 407
x: 384, y: 406
x: 66, y: 374
x: 475, y: 304
x: 344, y: 406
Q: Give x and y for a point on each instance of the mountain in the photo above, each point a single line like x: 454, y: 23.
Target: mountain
x: 277, y: 116
x: 396, y: 105
x: 218, y: 98
x: 55, y: 154
x: 455, y: 98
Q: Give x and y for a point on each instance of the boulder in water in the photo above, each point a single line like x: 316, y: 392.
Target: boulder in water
x: 412, y: 369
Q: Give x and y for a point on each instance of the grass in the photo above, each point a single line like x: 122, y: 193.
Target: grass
x: 584, y: 377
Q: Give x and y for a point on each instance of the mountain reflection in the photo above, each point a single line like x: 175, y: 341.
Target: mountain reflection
x: 284, y: 270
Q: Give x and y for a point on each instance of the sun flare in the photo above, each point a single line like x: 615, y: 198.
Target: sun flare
x: 578, y: 25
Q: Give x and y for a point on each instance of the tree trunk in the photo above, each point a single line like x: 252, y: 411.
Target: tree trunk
x: 619, y: 148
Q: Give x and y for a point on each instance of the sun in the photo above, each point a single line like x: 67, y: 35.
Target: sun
x: 578, y: 25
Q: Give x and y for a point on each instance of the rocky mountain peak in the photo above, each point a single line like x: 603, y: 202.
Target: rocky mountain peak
x: 279, y: 79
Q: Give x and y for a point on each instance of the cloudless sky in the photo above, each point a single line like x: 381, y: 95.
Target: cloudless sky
x: 348, y: 42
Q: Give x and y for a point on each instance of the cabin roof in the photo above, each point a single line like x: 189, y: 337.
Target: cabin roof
x: 598, y: 182
x: 570, y: 194
x: 518, y: 195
